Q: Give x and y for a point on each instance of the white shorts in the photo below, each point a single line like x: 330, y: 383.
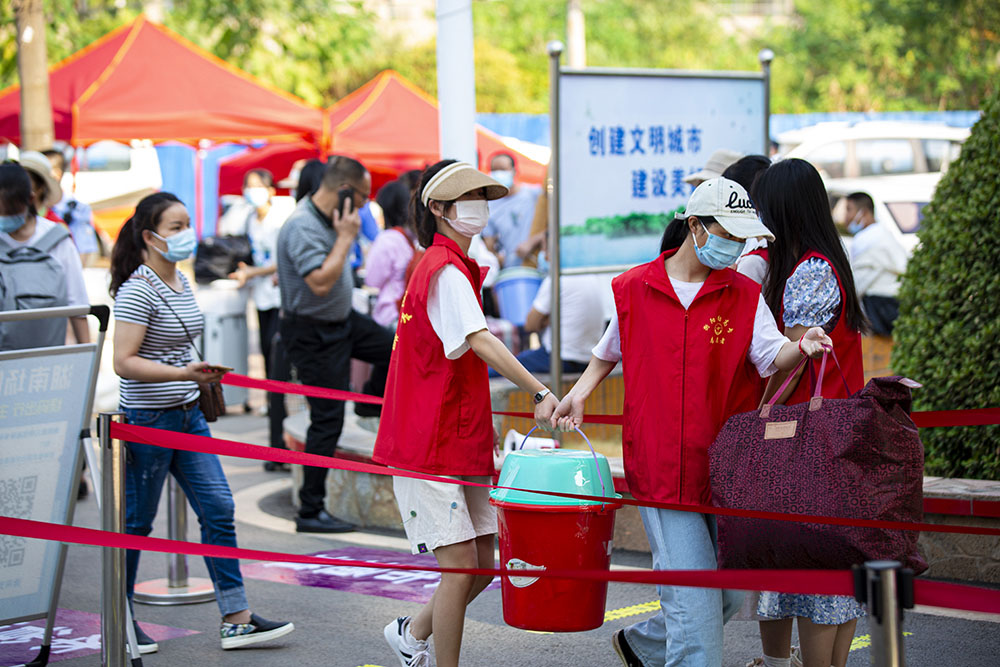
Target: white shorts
x: 436, y: 514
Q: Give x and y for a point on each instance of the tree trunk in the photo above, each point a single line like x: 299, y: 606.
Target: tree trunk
x: 37, y: 130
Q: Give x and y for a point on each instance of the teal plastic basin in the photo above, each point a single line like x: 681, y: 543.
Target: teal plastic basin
x: 563, y: 470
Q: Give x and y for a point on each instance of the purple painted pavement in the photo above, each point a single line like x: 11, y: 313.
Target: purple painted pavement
x: 409, y: 585
x: 76, y: 634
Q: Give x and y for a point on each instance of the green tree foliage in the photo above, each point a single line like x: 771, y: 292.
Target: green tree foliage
x: 949, y: 324
x: 884, y: 55
x: 833, y: 55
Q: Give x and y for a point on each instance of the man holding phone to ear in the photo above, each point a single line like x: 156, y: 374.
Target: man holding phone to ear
x: 320, y: 330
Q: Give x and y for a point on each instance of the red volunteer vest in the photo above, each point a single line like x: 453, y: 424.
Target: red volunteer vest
x: 685, y: 372
x: 437, y: 413
x: 847, y: 345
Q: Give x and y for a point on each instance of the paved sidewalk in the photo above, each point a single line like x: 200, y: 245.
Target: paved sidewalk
x: 343, y: 627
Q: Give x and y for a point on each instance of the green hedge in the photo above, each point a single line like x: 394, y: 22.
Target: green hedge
x: 948, y: 333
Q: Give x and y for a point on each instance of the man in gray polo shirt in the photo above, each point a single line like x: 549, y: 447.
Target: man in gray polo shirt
x: 319, y: 329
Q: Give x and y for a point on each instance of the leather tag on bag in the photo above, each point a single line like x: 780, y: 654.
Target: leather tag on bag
x: 780, y: 430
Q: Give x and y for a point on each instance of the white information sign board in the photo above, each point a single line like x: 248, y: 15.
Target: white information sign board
x: 43, y: 394
x: 626, y: 142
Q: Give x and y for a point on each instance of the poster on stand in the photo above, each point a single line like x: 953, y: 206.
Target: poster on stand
x: 627, y: 139
x: 43, y: 394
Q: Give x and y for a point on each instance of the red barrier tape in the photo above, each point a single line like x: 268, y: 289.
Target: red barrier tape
x: 237, y: 380
x: 813, y: 582
x: 199, y: 443
x: 978, y: 417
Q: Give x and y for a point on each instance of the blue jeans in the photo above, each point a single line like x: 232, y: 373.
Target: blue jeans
x: 688, y: 628
x: 203, y: 482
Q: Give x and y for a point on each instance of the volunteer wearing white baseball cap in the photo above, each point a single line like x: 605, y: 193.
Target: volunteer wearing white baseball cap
x: 684, y: 329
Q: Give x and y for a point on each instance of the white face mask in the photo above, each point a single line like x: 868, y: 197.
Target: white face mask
x: 471, y: 217
x: 257, y: 196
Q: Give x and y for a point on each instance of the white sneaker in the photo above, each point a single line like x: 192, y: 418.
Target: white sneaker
x: 410, y: 653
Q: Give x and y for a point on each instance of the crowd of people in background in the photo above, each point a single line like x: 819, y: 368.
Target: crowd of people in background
x: 421, y: 246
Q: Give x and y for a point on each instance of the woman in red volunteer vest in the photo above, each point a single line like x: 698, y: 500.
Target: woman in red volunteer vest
x: 808, y: 283
x: 437, y: 415
x: 689, y: 331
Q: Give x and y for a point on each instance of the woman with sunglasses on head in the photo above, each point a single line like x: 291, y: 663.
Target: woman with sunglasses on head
x: 156, y: 321
x: 692, y: 336
x: 808, y: 284
x: 437, y: 416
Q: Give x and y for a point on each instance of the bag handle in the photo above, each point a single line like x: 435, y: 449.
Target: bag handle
x: 597, y: 465
x: 816, y: 401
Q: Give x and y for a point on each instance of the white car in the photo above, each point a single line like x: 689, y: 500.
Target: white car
x: 876, y: 149
x: 899, y: 202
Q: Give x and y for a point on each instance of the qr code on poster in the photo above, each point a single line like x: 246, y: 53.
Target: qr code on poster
x: 17, y: 498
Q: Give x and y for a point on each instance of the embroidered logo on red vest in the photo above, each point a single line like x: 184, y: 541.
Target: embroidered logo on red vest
x: 719, y: 328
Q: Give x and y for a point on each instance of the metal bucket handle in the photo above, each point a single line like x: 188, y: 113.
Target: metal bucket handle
x: 597, y: 465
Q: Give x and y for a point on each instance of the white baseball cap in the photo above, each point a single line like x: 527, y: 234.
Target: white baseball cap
x: 729, y: 204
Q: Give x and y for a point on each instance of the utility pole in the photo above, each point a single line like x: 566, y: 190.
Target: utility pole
x: 576, y: 35
x: 37, y: 129
x: 154, y: 10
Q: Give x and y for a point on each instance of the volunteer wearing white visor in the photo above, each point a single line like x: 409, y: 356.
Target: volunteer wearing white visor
x: 437, y: 415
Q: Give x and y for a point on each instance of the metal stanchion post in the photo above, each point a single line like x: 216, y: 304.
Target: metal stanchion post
x: 112, y: 560
x: 177, y: 588
x: 886, y: 589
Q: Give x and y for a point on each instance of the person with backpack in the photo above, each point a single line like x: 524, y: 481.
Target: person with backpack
x: 39, y: 268
x: 156, y: 322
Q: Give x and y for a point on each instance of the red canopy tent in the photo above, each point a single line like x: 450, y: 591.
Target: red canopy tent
x: 143, y: 81
x: 276, y: 158
x: 390, y: 124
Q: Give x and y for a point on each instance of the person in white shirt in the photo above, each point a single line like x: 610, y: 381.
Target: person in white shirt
x: 582, y: 311
x: 877, y: 260
x: 264, y: 214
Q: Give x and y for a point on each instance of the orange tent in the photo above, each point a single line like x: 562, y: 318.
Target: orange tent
x: 391, y: 125
x: 143, y: 81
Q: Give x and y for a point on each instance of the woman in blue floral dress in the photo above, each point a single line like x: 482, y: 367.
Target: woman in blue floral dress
x: 808, y: 283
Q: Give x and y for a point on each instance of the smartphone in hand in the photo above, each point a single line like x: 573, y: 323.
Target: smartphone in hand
x: 213, y: 368
x: 343, y: 195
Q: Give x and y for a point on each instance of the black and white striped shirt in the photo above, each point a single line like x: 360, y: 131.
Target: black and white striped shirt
x: 165, y: 342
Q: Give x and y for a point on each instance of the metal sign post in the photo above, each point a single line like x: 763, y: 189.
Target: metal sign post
x: 555, y: 50
x: 766, y: 57
x: 113, y: 601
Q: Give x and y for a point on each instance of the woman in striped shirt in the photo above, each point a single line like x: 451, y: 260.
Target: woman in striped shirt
x: 156, y: 318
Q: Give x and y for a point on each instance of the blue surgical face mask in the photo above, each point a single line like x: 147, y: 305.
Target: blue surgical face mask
x: 503, y: 177
x: 718, y: 253
x: 12, y: 223
x: 855, y: 225
x: 179, y: 245
x: 543, y: 262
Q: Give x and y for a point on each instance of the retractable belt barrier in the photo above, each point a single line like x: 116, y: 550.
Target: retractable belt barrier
x: 813, y: 582
x: 929, y: 419
x: 207, y: 445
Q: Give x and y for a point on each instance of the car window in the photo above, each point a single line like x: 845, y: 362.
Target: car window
x: 940, y: 153
x: 877, y: 157
x: 105, y: 156
x: 907, y: 214
x: 830, y: 158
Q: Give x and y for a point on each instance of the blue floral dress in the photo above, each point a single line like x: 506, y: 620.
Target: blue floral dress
x: 812, y: 299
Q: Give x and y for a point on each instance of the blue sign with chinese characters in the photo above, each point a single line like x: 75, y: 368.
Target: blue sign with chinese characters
x: 627, y: 142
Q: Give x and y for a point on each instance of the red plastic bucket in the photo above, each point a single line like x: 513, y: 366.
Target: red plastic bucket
x: 554, y: 537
